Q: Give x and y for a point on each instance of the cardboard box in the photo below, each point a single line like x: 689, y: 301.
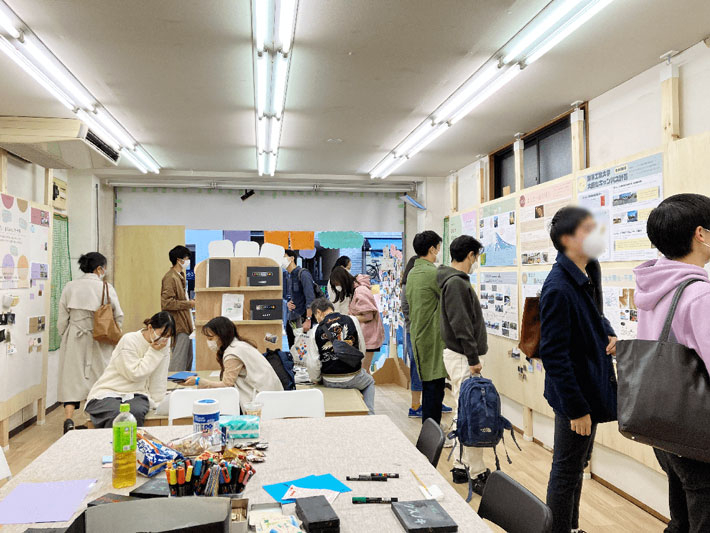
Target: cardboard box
x: 239, y: 505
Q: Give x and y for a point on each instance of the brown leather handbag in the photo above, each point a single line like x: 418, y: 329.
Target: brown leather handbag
x: 530, y: 328
x: 105, y: 328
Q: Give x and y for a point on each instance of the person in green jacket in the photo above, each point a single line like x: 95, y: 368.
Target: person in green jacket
x: 424, y: 315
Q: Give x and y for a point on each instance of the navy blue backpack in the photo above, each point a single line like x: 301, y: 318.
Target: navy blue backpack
x: 479, y: 422
x: 282, y: 363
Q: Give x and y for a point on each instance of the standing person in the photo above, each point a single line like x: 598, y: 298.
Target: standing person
x: 364, y: 307
x: 137, y: 373
x: 341, y: 289
x: 302, y: 296
x: 173, y: 298
x: 322, y: 361
x: 680, y: 229
x: 423, y: 296
x: 82, y: 359
x: 576, y: 345
x: 241, y: 364
x: 415, y: 411
x: 465, y: 337
x: 343, y: 261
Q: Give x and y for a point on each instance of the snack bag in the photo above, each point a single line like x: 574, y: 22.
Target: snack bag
x: 152, y: 455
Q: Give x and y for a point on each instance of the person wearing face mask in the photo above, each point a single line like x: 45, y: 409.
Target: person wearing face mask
x: 302, y: 295
x: 241, y: 365
x: 343, y: 261
x: 341, y: 288
x: 174, y: 300
x: 464, y: 333
x: 137, y: 373
x: 680, y: 229
x: 577, y: 343
x: 82, y: 360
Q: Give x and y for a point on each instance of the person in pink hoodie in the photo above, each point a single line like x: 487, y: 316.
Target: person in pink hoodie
x: 680, y: 229
x: 364, y: 307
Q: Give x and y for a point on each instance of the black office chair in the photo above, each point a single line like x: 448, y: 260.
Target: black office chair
x: 431, y: 441
x: 508, y: 504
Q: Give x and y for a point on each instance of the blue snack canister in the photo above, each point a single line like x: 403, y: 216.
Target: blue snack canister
x: 205, y: 415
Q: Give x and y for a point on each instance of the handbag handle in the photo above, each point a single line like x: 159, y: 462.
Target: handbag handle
x: 105, y: 294
x: 665, y: 334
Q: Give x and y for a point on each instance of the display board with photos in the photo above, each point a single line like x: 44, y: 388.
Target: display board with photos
x: 499, y: 303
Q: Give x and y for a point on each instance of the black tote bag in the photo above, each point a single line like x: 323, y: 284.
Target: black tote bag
x: 664, y: 392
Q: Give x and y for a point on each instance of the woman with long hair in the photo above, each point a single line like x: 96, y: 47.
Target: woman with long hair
x: 364, y: 307
x: 241, y: 365
x: 137, y: 373
x: 341, y: 288
x: 82, y: 360
x: 415, y: 411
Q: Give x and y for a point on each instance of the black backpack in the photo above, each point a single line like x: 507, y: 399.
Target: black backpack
x: 282, y: 363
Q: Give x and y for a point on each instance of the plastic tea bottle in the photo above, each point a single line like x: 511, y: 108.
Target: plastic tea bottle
x: 124, y: 448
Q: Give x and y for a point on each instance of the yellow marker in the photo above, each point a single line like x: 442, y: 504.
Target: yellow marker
x: 173, y: 476
x: 188, y: 476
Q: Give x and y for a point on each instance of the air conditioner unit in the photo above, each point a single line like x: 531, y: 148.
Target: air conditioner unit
x: 56, y: 143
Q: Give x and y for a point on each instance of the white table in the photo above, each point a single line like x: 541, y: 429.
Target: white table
x: 299, y: 447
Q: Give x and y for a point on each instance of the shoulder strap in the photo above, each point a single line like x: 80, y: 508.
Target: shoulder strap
x: 105, y: 295
x: 671, y: 312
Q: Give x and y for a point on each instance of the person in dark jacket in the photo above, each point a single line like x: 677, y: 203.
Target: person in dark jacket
x: 302, y: 296
x: 464, y: 333
x: 576, y: 347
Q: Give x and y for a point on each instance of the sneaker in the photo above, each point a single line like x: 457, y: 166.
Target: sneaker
x: 68, y: 425
x: 459, y: 475
x: 446, y: 409
x: 449, y: 443
x: 478, y: 483
x: 415, y: 413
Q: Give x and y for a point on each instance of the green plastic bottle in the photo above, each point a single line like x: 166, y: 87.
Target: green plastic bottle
x: 124, y: 448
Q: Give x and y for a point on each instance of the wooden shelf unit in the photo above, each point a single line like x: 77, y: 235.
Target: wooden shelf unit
x: 209, y: 305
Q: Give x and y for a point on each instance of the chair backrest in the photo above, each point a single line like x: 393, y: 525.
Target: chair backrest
x: 221, y: 249
x: 306, y: 403
x: 246, y: 249
x: 508, y: 504
x: 181, y: 401
x: 431, y: 441
x: 273, y: 251
x: 4, y: 467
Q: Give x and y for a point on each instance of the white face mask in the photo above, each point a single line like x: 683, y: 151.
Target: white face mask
x: 154, y: 337
x: 594, y: 244
x: 473, y: 267
x: 212, y: 345
x: 337, y: 288
x: 186, y: 265
x: 102, y: 275
x: 285, y: 262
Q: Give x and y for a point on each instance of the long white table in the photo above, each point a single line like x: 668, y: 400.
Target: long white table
x: 298, y: 447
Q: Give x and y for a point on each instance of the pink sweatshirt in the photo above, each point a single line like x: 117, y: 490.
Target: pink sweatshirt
x: 656, y: 282
x: 363, y: 303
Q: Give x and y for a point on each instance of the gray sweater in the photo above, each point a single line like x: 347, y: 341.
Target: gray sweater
x: 462, y: 327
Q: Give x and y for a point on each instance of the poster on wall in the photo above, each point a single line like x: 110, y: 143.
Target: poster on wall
x: 469, y: 220
x: 535, y: 215
x: 499, y: 302
x: 531, y: 283
x: 619, y: 306
x: 621, y: 199
x: 15, y: 231
x: 497, y: 233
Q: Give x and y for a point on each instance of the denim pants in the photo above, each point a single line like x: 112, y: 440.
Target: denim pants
x: 433, y: 399
x: 569, y: 459
x: 416, y: 382
x: 363, y: 382
x: 688, y: 493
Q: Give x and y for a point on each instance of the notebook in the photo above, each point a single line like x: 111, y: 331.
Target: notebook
x: 424, y: 515
x: 181, y: 376
x: 219, y: 273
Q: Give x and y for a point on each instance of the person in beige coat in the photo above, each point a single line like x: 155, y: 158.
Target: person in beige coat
x: 82, y: 360
x: 242, y: 366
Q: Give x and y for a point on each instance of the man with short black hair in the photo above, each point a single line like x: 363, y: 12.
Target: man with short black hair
x: 323, y: 361
x: 576, y: 346
x: 173, y: 298
x: 423, y: 296
x: 302, y: 296
x: 464, y: 333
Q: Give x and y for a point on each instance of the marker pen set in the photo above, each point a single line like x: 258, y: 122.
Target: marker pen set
x: 372, y: 477
x: 207, y: 477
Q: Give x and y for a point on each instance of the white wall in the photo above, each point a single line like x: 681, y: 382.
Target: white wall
x: 694, y: 72
x: 468, y: 193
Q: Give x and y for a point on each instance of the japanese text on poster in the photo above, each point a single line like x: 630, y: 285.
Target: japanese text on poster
x: 619, y: 306
x: 536, y: 211
x: 532, y: 283
x: 498, y: 234
x: 499, y: 302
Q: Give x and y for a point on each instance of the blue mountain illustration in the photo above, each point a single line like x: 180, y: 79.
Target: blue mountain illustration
x: 499, y: 253
x: 501, y: 244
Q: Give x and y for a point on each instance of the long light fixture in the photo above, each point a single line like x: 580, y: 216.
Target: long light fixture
x: 21, y: 45
x: 546, y: 30
x: 273, y: 27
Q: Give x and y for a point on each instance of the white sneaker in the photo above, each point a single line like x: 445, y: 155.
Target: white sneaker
x: 449, y: 443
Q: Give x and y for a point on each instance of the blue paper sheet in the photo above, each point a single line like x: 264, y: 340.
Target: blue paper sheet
x: 326, y: 481
x: 44, y: 502
x: 181, y: 376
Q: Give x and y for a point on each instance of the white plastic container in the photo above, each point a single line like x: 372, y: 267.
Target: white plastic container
x: 205, y: 415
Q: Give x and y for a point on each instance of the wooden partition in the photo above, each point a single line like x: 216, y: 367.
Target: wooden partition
x: 209, y: 305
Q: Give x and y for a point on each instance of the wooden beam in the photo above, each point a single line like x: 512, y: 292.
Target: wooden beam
x: 48, y: 186
x: 481, y: 183
x: 527, y: 423
x: 3, y: 171
x: 670, y: 103
x: 579, y: 148
x: 518, y: 148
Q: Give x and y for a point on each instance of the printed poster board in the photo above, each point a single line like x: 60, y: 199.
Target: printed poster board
x: 498, y: 234
x: 499, y: 302
x: 619, y: 287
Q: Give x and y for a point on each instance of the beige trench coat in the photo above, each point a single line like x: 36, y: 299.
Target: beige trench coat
x: 81, y: 359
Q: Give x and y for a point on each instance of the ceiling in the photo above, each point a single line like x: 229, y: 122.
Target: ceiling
x: 178, y: 74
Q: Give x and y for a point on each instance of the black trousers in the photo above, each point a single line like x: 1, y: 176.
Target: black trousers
x: 569, y: 459
x: 688, y: 493
x: 102, y: 412
x: 433, y: 399
x: 290, y: 335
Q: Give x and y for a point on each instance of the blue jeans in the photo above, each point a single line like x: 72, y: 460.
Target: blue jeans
x: 363, y: 382
x: 416, y: 382
x: 570, y: 457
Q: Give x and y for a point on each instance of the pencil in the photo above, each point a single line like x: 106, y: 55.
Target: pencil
x: 419, y: 480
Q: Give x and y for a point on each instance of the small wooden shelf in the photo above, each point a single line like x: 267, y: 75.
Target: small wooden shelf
x: 241, y: 289
x: 246, y: 322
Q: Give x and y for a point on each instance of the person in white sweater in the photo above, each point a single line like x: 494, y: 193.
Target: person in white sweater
x: 242, y: 365
x: 137, y: 373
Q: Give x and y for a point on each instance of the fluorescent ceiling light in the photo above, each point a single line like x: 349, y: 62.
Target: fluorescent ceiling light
x: 261, y: 23
x: 274, y: 134
x: 391, y: 168
x: 262, y: 83
x: 539, y: 29
x: 287, y: 23
x: 146, y: 160
x: 8, y: 26
x: 261, y: 134
x: 481, y: 97
x: 461, y: 96
x: 98, y: 129
x: 278, y: 86
x: 115, y: 129
x: 133, y: 160
x: 270, y: 166
x: 441, y: 128
x: 261, y: 163
x: 382, y: 165
x: 566, y: 30
x: 40, y: 78
x: 424, y: 129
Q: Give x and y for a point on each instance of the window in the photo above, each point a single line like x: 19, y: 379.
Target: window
x: 504, y: 171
